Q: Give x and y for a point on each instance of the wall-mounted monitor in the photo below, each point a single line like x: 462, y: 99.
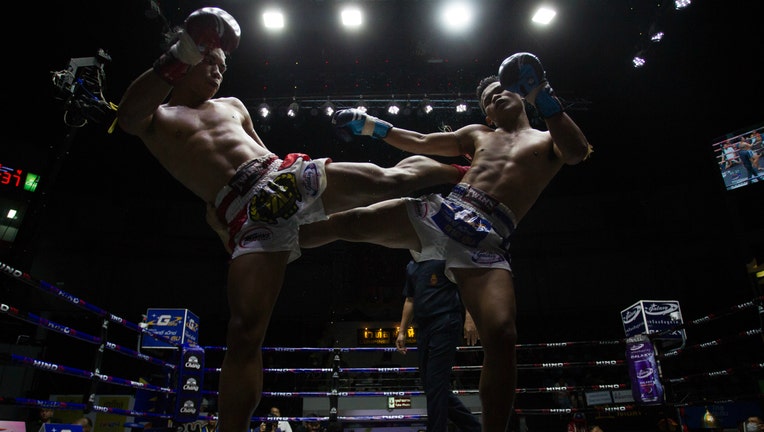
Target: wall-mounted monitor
x: 740, y: 156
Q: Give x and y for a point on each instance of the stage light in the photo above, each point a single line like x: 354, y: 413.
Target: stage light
x: 638, y: 61
x: 263, y: 110
x: 425, y: 106
x: 656, y: 37
x: 351, y: 17
x: 273, y: 19
x: 460, y: 106
x: 393, y: 108
x: 681, y: 4
x: 543, y: 15
x: 328, y: 108
x: 457, y: 16
x: 293, y: 109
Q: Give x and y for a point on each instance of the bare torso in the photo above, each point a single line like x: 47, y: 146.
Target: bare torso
x: 203, y: 146
x: 513, y: 167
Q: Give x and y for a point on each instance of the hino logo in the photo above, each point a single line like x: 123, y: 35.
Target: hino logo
x: 45, y: 365
x: 10, y: 270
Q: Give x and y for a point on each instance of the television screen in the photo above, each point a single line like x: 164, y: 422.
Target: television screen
x: 739, y: 155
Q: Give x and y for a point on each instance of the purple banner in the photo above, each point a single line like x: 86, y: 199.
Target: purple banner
x: 643, y: 371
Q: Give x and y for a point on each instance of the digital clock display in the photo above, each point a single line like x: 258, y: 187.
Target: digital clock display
x: 18, y: 178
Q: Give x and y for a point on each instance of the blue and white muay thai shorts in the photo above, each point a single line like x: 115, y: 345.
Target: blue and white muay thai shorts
x: 267, y: 200
x: 468, y: 228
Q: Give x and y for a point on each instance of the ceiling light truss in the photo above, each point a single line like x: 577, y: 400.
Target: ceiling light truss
x: 420, y: 105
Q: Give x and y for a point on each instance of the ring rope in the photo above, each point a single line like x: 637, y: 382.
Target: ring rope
x: 79, y: 406
x: 24, y: 277
x: 213, y: 348
x: 754, y: 303
x: 80, y: 373
x: 716, y: 374
x: 69, y: 331
x: 76, y: 301
x: 710, y: 344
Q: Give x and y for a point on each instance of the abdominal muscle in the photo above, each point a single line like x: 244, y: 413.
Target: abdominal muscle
x: 202, y: 148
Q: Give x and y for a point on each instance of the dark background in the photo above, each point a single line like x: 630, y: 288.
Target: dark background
x: 646, y: 218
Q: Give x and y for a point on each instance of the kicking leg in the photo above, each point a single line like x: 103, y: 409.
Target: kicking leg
x: 385, y: 224
x: 351, y: 184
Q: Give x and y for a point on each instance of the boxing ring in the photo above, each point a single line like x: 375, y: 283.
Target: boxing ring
x: 559, y: 383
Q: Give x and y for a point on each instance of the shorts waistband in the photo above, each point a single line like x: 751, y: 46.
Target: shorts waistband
x: 246, y: 176
x: 250, y: 172
x: 485, y: 203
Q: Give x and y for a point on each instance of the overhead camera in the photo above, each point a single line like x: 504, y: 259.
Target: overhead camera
x: 80, y: 90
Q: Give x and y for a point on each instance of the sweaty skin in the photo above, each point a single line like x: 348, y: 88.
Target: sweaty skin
x: 511, y: 163
x: 202, y: 142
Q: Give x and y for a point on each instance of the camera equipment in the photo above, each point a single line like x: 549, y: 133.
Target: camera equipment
x: 80, y: 90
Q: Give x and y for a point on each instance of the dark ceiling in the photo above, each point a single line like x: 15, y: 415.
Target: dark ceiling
x: 646, y: 218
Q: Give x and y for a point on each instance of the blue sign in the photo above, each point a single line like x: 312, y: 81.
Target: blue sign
x: 176, y: 326
x: 61, y: 427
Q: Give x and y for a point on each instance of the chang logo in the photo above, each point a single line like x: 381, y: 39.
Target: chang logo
x: 191, y: 385
x: 188, y: 407
x: 192, y: 362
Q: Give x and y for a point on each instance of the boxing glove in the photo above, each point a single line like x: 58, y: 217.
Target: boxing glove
x: 204, y: 30
x: 522, y: 73
x: 360, y: 123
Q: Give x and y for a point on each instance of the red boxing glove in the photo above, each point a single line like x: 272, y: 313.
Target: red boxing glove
x: 204, y: 30
x: 212, y: 28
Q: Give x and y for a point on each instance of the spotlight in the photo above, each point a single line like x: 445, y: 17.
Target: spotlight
x: 293, y: 109
x: 393, y: 108
x: 264, y: 110
x: 273, y: 19
x: 351, y: 17
x: 460, y: 106
x: 328, y: 108
x: 544, y: 15
x: 425, y: 106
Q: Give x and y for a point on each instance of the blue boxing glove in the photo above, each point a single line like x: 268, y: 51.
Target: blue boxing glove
x: 360, y: 123
x: 523, y: 74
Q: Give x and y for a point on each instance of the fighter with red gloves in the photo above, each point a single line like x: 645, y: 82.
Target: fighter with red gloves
x: 256, y: 200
